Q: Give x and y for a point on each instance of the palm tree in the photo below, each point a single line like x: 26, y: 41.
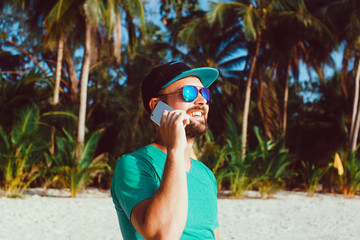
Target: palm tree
x: 303, y: 30
x: 347, y: 28
x: 263, y: 23
x: 72, y: 171
x: 209, y: 45
x: 22, y: 148
x: 93, y: 14
x: 98, y: 19
x: 20, y: 152
x: 22, y: 92
x: 58, y: 24
x: 253, y: 17
x: 268, y: 103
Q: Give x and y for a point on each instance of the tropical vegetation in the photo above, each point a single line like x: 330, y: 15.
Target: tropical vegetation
x: 285, y: 104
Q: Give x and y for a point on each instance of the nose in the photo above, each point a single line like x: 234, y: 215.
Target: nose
x: 200, y: 100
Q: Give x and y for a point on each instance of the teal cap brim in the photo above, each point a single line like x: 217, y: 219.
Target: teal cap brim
x: 206, y: 75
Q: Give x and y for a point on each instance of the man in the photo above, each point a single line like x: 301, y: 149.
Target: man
x: 159, y: 192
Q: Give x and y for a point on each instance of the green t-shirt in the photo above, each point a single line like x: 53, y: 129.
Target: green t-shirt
x: 138, y: 175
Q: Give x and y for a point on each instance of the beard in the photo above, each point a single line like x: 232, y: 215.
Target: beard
x: 196, y: 129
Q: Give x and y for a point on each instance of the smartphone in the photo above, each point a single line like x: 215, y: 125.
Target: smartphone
x: 158, y: 111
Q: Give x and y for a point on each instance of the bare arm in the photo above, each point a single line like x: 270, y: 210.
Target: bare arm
x: 164, y: 215
x: 216, y: 232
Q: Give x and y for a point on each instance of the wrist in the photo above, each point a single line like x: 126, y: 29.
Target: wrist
x: 176, y: 154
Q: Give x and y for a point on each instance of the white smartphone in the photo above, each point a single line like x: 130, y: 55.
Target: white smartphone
x: 158, y: 111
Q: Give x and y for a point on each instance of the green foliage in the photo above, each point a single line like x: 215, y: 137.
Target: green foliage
x: 59, y: 20
x: 230, y: 166
x: 271, y: 162
x: 207, y: 150
x: 21, y: 152
x: 74, y: 166
x: 265, y: 168
x: 237, y: 171
x: 173, y: 11
x: 319, y: 128
x: 28, y: 90
x: 350, y: 180
x: 312, y: 175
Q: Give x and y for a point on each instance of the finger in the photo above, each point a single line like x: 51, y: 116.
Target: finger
x: 182, y: 118
x: 186, y: 120
x: 174, y: 117
x: 164, y: 118
x: 170, y: 117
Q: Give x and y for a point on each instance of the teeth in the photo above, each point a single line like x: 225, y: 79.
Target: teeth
x: 196, y: 114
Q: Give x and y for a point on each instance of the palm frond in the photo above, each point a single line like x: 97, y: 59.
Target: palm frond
x: 4, y: 144
x: 138, y: 10
x: 249, y: 24
x: 89, y: 149
x: 26, y: 125
x: 220, y: 12
x: 93, y: 11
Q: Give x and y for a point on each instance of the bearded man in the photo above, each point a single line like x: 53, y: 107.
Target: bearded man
x: 159, y: 191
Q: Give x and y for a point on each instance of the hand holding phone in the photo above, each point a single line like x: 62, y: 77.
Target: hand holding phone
x: 171, y: 132
x: 158, y: 111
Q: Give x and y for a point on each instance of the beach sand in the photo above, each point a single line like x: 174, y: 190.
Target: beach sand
x: 289, y: 215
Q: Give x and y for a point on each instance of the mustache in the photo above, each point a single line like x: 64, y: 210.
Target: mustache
x: 196, y: 108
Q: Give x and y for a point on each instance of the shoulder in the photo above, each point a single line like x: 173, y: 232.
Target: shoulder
x: 201, y: 166
x: 132, y: 166
x: 206, y: 171
x: 131, y: 160
x: 133, y: 169
x: 134, y: 180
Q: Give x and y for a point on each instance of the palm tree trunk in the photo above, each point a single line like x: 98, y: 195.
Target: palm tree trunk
x: 344, y: 69
x: 286, y: 99
x: 74, y: 82
x: 355, y: 121
x: 60, y: 52
x: 117, y: 42
x: 247, y: 99
x: 84, y: 83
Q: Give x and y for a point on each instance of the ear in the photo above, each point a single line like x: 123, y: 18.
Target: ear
x: 153, y: 102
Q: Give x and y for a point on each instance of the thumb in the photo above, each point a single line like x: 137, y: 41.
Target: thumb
x: 186, y: 121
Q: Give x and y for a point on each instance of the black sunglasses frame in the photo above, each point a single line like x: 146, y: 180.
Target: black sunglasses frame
x: 199, y: 90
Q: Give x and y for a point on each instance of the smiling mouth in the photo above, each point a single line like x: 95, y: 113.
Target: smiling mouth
x: 196, y: 113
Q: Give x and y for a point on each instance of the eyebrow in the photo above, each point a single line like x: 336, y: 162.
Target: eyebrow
x: 201, y: 87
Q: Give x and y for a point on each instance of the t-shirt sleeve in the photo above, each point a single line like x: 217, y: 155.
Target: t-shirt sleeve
x: 133, y: 181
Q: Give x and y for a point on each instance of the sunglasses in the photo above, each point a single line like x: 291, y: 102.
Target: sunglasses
x: 190, y: 93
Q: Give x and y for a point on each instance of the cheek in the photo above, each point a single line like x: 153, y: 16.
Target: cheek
x: 182, y: 106
x: 177, y: 102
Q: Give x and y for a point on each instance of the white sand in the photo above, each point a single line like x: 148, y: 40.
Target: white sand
x: 289, y: 215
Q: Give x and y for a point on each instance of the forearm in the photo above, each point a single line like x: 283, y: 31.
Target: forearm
x: 216, y: 232
x: 166, y: 212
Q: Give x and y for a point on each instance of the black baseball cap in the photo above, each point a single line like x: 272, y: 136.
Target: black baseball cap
x: 163, y: 75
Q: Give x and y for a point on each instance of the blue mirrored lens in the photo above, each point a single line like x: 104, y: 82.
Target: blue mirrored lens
x: 206, y: 94
x: 190, y: 93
